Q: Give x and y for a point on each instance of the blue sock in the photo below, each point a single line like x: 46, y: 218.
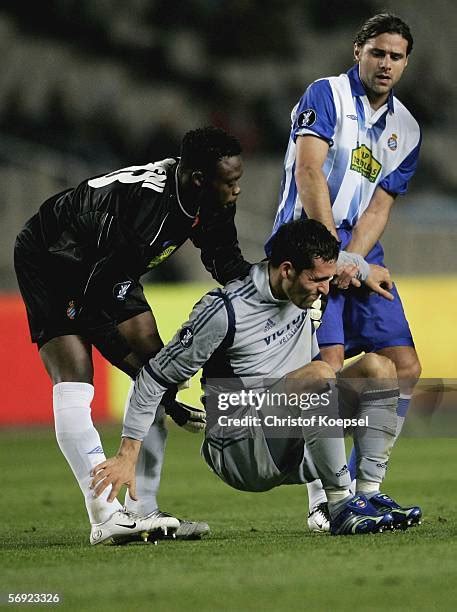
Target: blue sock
x: 402, y: 409
x: 403, y: 405
x: 352, y: 464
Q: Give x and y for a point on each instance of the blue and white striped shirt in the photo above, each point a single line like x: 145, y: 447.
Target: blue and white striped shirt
x: 366, y: 148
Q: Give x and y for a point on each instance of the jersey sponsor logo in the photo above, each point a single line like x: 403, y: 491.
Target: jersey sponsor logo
x: 186, y: 336
x: 362, y: 161
x: 71, y: 310
x: 155, y: 261
x: 353, y: 117
x: 287, y: 332
x: 120, y: 290
x: 392, y: 142
x: 307, y: 118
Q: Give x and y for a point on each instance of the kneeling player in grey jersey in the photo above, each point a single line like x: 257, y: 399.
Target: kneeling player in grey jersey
x: 260, y: 328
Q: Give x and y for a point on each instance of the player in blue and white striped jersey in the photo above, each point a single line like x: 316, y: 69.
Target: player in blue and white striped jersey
x: 353, y: 148
x: 256, y: 335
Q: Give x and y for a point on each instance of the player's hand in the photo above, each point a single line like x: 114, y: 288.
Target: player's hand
x: 345, y: 276
x: 116, y: 472
x: 190, y: 418
x: 380, y: 282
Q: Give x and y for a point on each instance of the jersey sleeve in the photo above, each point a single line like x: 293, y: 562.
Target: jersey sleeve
x: 397, y: 181
x: 180, y: 359
x: 315, y: 113
x: 217, y: 239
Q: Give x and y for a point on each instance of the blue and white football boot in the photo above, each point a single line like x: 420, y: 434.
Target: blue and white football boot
x: 403, y: 517
x: 359, y: 516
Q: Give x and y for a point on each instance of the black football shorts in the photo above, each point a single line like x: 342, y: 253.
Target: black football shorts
x: 51, y: 289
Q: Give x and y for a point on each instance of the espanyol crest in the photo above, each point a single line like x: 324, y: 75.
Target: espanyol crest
x: 307, y: 118
x: 186, y: 336
x: 392, y: 142
x: 120, y: 290
x: 71, y: 310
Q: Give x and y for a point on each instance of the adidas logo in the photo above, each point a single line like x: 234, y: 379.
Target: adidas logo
x: 344, y: 470
x: 268, y: 325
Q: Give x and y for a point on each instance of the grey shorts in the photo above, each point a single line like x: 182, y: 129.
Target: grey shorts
x: 247, y: 460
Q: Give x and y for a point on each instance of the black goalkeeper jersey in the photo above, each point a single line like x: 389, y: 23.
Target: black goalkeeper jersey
x: 124, y: 223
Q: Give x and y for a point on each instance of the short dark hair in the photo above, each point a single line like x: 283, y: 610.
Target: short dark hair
x: 201, y: 149
x: 381, y: 23
x: 301, y: 242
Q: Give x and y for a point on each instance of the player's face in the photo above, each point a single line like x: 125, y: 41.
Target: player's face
x: 382, y: 60
x: 224, y: 188
x: 304, y: 288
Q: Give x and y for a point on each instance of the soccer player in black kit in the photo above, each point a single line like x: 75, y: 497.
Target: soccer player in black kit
x: 78, y: 263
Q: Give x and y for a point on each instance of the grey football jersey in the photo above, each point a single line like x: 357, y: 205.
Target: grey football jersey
x: 253, y: 334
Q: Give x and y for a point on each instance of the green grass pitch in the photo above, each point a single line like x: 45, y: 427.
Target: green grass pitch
x: 259, y: 556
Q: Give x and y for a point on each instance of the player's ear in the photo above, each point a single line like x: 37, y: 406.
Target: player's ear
x: 198, y: 178
x: 357, y: 50
x: 287, y: 270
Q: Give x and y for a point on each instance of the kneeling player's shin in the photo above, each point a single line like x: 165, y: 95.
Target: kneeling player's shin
x: 324, y: 439
x: 374, y: 440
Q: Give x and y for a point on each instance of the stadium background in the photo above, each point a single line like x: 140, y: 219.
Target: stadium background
x: 87, y: 87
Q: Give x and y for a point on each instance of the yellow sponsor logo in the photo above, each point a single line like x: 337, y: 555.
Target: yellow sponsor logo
x: 161, y: 256
x: 362, y: 161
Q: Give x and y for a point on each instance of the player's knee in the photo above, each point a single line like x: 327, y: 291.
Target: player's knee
x: 322, y: 370
x: 378, y: 366
x: 317, y: 375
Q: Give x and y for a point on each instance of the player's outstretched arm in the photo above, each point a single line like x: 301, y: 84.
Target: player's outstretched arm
x: 217, y: 239
x: 372, y: 223
x: 311, y: 183
x: 182, y: 357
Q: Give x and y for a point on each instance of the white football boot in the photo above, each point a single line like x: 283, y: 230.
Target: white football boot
x: 124, y: 526
x: 319, y: 519
x: 187, y: 530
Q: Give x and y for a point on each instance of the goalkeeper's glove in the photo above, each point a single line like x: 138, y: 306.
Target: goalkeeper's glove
x: 188, y: 417
x: 317, y: 310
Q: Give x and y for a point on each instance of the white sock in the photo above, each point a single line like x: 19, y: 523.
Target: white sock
x: 337, y: 498
x: 366, y: 487
x: 80, y: 443
x: 149, y: 465
x: 316, y: 493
